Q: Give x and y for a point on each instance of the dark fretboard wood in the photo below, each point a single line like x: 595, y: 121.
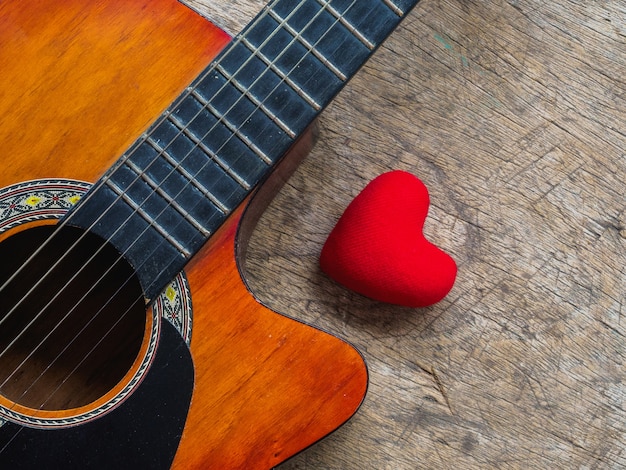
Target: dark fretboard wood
x: 176, y: 185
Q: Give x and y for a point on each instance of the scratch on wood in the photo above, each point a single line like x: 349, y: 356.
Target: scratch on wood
x: 440, y: 387
x: 433, y: 373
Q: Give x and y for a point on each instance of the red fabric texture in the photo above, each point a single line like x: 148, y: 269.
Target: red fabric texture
x: 378, y: 248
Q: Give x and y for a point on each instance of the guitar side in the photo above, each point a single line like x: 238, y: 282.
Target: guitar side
x: 80, y: 81
x: 276, y: 385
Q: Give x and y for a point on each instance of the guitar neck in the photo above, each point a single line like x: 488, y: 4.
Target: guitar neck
x: 176, y: 185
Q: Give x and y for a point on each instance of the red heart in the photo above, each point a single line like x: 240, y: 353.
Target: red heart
x: 378, y: 248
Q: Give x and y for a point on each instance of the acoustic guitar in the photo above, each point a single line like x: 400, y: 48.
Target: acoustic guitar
x: 128, y: 338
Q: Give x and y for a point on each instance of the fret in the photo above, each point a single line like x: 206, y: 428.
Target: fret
x: 106, y: 214
x: 293, y: 59
x: 264, y: 86
x: 373, y: 18
x: 180, y: 188
x: 330, y: 7
x: 197, y: 141
x: 194, y: 179
x: 172, y: 136
x: 234, y: 128
x: 282, y: 75
x: 331, y: 31
x: 281, y: 42
x: 206, y: 127
x: 310, y: 48
x: 157, y: 210
x: 172, y: 202
x: 400, y: 7
x: 258, y: 103
x: 137, y: 208
x: 393, y: 7
x: 195, y: 165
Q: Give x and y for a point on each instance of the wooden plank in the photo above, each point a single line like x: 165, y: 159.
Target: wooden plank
x: 512, y: 113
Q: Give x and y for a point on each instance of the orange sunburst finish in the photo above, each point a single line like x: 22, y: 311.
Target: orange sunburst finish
x: 80, y: 79
x: 274, y: 386
x: 79, y: 82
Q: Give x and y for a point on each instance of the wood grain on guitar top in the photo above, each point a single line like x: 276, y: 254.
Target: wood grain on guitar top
x: 80, y: 107
x: 80, y: 81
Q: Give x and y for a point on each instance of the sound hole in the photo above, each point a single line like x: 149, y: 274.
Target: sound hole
x: 72, y: 318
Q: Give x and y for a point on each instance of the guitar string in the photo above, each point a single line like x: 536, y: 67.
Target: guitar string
x: 56, y: 296
x: 69, y: 344
x: 86, y: 264
x: 104, y: 213
x: 173, y: 170
x: 63, y: 319
x: 120, y: 162
x: 264, y: 13
x: 303, y: 30
x: 225, y: 114
x: 126, y: 156
x: 81, y: 361
x: 78, y: 365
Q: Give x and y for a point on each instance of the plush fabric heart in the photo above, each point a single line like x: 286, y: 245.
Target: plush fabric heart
x: 378, y: 248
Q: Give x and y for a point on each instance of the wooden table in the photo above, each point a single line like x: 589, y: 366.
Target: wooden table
x: 513, y: 114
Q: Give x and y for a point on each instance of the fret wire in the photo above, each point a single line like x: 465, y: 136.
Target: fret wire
x: 172, y: 263
x: 191, y: 178
x: 184, y: 130
x: 357, y: 34
x: 307, y: 45
x: 395, y: 8
x: 221, y: 117
x: 298, y: 36
x: 192, y: 92
x: 256, y: 101
x: 255, y: 50
x: 241, y: 39
x: 148, y: 218
x: 142, y: 213
x: 282, y: 75
x: 127, y: 155
x: 171, y: 201
x: 230, y: 126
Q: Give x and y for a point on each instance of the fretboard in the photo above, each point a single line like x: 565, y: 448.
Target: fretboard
x: 176, y: 185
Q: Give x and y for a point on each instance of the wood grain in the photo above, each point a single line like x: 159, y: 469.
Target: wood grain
x: 513, y: 114
x: 86, y: 106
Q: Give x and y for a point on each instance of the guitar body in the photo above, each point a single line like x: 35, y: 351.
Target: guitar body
x: 79, y: 82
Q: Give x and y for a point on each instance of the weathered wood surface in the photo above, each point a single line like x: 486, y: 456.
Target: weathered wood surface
x: 513, y: 114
